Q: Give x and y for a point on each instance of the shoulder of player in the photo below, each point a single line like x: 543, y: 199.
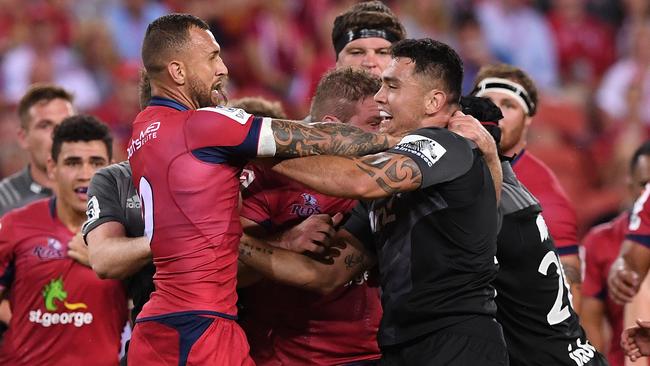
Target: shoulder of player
x: 29, y: 214
x: 219, y: 113
x: 443, y: 136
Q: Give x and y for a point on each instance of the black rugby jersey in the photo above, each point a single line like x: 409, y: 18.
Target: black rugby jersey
x: 436, y: 245
x: 533, y: 299
x: 112, y: 197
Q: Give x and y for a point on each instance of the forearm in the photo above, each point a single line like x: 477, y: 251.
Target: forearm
x: 119, y: 257
x: 294, y: 139
x: 592, y: 316
x: 573, y: 275
x: 636, y: 258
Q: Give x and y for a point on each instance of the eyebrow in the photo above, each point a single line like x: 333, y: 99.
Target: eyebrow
x: 390, y: 79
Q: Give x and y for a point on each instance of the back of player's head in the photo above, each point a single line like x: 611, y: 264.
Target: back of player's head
x: 37, y: 94
x: 165, y: 36
x: 261, y: 107
x: 643, y: 150
x: 436, y: 62
x: 339, y: 91
x: 364, y: 20
x: 510, y: 79
x: 81, y: 128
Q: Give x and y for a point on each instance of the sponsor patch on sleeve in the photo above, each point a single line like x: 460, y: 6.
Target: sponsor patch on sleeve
x: 425, y: 148
x: 238, y: 115
x: 92, y: 213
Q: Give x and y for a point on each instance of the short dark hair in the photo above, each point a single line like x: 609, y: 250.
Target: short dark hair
x: 40, y: 93
x: 81, y: 127
x: 642, y: 150
x: 513, y: 73
x: 339, y: 90
x: 164, y: 36
x: 436, y: 61
x: 368, y: 14
x: 260, y: 106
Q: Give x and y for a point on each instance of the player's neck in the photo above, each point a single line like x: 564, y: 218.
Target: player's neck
x: 517, y: 149
x: 39, y: 176
x: 71, y: 218
x: 175, y: 94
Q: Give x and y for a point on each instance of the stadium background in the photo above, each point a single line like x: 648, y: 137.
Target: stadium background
x: 590, y: 59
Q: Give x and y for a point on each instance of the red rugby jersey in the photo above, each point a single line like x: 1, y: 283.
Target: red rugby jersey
x: 602, y: 245
x: 558, y: 212
x: 186, y: 166
x: 290, y: 326
x: 62, y: 313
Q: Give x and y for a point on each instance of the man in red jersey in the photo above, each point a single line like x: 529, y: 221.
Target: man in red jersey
x: 602, y: 245
x: 300, y: 326
x: 186, y: 157
x: 62, y: 313
x: 514, y: 92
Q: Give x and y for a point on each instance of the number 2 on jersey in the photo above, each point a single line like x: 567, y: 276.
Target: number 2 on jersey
x: 146, y: 197
x: 558, y: 313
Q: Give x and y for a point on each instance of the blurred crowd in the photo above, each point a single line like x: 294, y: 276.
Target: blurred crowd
x: 590, y: 58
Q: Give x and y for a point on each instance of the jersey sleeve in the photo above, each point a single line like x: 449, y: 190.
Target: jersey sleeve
x: 6, y: 252
x: 562, y: 221
x: 255, y: 204
x: 440, y: 154
x: 358, y: 224
x: 103, y: 202
x: 593, y: 284
x: 219, y: 135
x: 639, y: 228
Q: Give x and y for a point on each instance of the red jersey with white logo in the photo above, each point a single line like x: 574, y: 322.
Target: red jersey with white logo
x: 602, y: 245
x: 558, y: 211
x: 186, y: 165
x: 62, y: 313
x: 289, y: 326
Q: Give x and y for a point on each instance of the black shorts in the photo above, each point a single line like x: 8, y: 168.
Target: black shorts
x: 478, y: 341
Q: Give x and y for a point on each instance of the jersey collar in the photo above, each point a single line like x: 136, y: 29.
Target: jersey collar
x: 517, y: 157
x: 166, y: 102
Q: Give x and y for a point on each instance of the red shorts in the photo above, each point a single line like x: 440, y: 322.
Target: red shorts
x: 188, y: 339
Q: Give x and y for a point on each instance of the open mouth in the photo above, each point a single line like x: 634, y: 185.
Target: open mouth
x: 81, y: 192
x: 386, y: 117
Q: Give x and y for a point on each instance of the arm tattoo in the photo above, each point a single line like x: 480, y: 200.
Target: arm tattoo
x: 353, y: 260
x: 293, y: 139
x: 246, y: 249
x: 391, y: 172
x: 572, y: 274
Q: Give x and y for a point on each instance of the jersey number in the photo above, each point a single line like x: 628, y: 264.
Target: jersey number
x: 146, y: 197
x: 558, y: 313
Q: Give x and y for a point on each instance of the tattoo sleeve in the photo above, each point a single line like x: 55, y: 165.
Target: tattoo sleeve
x: 572, y: 274
x: 392, y: 172
x: 294, y: 139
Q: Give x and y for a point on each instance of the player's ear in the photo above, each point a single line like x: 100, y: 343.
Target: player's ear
x: 177, y: 72
x: 51, y: 168
x: 434, y: 101
x: 330, y: 118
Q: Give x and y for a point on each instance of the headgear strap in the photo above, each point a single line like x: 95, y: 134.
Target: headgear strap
x: 351, y: 35
x: 509, y: 87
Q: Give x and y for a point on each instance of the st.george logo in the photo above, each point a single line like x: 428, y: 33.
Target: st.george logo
x: 55, y: 295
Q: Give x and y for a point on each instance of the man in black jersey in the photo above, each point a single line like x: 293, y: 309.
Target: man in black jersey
x: 429, y: 219
x: 533, y: 299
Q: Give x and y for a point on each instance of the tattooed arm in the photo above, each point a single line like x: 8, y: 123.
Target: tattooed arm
x: 366, y: 177
x: 571, y: 267
x: 301, y: 271
x: 294, y: 139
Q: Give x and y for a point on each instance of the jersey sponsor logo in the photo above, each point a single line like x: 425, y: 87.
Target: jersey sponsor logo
x: 582, y: 353
x: 246, y: 178
x: 146, y: 135
x: 309, y: 206
x: 238, y: 115
x: 52, y: 250
x: 92, y: 212
x: 425, y: 148
x: 54, y: 294
x: 133, y: 202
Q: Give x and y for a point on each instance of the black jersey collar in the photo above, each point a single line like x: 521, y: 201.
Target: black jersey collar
x: 516, y: 158
x: 166, y: 102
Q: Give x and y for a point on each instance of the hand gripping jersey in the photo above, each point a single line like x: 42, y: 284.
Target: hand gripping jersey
x: 602, y: 245
x: 289, y: 326
x: 113, y: 198
x: 62, y: 313
x: 533, y: 299
x: 435, y: 246
x: 558, y: 211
